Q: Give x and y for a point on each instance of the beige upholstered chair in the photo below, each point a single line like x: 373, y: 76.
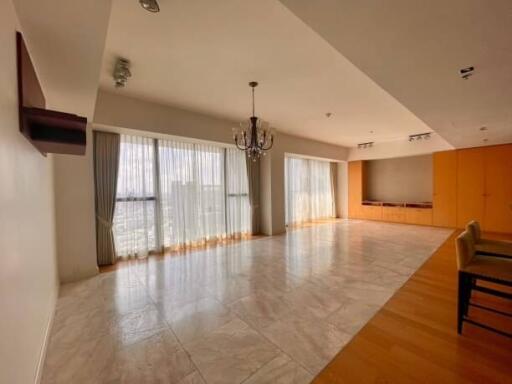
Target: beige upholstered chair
x: 487, y: 246
x: 474, y: 267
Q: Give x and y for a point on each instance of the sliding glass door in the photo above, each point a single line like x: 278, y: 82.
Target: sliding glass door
x: 173, y: 194
x: 309, y: 190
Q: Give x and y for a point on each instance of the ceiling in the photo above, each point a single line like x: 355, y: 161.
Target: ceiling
x: 66, y: 40
x: 384, y: 68
x: 200, y: 55
x: 414, y: 50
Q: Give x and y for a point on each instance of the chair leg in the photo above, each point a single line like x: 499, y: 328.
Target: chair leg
x: 469, y: 283
x: 464, y: 294
x: 460, y: 300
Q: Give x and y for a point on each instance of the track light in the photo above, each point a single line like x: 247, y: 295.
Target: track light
x: 365, y: 145
x: 150, y: 5
x: 466, y: 73
x: 420, y: 136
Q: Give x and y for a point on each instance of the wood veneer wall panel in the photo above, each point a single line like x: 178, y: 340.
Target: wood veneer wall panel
x: 498, y: 189
x: 445, y: 189
x: 470, y: 185
x: 355, y: 189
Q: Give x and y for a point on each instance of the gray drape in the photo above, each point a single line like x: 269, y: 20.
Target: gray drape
x: 106, y: 165
x: 253, y: 174
x: 334, y: 188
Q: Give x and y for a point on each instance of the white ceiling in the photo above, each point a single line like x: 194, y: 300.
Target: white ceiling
x: 201, y: 54
x: 414, y: 50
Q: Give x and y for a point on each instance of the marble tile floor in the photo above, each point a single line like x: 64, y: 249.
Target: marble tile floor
x: 271, y: 310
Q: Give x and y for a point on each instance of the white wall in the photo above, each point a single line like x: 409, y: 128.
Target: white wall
x: 74, y: 177
x: 28, y: 276
x: 75, y: 213
x: 121, y: 111
x: 342, y: 188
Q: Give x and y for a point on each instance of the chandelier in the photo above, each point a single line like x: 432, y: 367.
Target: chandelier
x: 254, y: 136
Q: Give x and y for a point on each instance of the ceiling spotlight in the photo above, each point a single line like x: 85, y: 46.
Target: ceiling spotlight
x: 150, y: 5
x: 328, y: 114
x: 121, y: 72
x: 483, y: 128
x: 465, y: 73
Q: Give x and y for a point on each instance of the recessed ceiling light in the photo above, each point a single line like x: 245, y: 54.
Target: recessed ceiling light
x: 486, y: 140
x: 483, y: 128
x: 328, y: 114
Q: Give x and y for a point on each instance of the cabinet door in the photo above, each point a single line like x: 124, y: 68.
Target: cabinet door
x: 498, y: 189
x: 445, y: 189
x: 470, y: 185
x: 355, y: 189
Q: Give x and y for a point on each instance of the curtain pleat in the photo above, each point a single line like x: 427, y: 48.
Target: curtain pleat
x: 253, y: 178
x: 106, y: 165
x: 334, y: 188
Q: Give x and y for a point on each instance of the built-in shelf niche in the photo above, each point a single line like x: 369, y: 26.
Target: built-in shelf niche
x: 399, y: 182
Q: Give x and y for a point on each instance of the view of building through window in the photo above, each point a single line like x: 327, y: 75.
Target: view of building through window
x: 173, y: 194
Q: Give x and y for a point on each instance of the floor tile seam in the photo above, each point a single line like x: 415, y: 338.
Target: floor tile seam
x: 180, y: 343
x: 282, y: 351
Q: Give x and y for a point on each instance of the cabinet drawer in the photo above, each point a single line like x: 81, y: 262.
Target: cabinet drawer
x: 421, y: 216
x: 394, y: 214
x: 371, y: 212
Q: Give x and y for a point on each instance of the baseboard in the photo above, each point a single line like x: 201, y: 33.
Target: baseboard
x: 44, y: 347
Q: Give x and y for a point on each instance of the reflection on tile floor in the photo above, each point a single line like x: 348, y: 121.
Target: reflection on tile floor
x: 271, y: 310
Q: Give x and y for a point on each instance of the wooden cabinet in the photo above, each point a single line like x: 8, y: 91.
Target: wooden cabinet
x: 445, y: 189
x: 470, y: 185
x: 394, y: 214
x: 355, y: 189
x: 419, y: 216
x: 498, y: 189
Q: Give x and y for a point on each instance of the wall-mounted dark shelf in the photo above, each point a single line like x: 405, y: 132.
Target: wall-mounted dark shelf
x: 49, y: 131
x: 55, y: 132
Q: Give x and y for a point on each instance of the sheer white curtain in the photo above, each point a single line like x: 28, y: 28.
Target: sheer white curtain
x: 192, y: 196
x: 309, y: 194
x: 238, y: 209
x: 134, y: 218
x: 173, y: 194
